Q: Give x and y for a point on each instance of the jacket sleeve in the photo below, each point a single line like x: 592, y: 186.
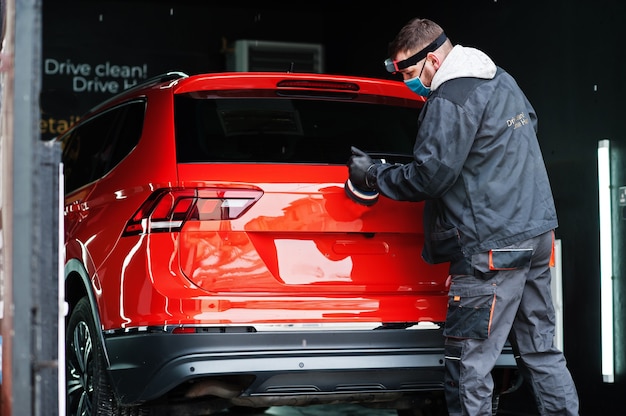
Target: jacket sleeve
x: 445, y: 136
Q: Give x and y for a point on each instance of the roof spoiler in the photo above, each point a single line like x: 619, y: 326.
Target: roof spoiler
x: 168, y: 76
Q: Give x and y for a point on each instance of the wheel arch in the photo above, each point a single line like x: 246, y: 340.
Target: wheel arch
x: 77, y: 286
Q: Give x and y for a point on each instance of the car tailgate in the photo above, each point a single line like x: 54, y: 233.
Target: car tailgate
x: 304, y: 236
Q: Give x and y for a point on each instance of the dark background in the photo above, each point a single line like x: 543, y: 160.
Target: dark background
x: 566, y: 55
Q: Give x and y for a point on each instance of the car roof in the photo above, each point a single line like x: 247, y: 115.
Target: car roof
x: 303, y: 81
x: 181, y: 82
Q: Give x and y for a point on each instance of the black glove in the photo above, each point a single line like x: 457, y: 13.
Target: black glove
x: 359, y: 187
x: 359, y: 166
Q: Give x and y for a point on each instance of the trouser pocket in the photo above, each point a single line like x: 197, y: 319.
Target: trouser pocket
x: 470, y: 308
x: 509, y: 258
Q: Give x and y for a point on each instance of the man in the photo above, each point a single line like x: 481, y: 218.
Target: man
x: 489, y: 211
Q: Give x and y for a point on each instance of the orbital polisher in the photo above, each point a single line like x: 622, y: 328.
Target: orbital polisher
x: 367, y: 197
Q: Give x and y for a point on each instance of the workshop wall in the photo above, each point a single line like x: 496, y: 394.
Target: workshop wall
x: 565, y: 55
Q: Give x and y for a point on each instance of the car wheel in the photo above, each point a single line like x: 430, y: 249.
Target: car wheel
x: 89, y: 392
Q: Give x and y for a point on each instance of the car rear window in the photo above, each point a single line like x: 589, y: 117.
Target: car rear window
x: 289, y: 130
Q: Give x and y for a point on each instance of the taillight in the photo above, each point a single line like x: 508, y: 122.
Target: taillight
x: 318, y: 84
x: 166, y: 210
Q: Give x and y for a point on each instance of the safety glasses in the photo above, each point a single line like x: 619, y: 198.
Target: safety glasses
x: 395, y: 66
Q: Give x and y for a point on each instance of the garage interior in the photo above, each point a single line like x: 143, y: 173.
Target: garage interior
x: 60, y: 58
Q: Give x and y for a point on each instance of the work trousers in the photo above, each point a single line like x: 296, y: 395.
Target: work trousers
x: 498, y: 295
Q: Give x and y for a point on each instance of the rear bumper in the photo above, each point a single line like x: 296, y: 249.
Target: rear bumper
x: 278, y: 367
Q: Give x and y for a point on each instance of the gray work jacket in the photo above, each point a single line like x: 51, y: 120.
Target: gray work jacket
x: 477, y: 162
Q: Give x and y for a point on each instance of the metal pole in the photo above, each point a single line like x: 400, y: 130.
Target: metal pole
x: 30, y: 223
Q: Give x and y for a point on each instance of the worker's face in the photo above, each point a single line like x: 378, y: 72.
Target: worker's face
x: 414, y: 71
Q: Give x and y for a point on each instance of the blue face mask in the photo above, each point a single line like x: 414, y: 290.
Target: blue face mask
x: 415, y: 85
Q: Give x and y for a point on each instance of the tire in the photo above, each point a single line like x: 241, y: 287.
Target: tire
x: 89, y: 392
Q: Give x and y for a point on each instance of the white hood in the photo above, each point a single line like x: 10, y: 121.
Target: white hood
x: 464, y: 62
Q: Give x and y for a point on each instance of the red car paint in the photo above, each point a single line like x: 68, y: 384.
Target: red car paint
x: 166, y: 244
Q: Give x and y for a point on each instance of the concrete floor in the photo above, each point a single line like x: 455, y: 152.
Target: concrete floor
x: 340, y: 410
x: 317, y: 410
x: 328, y: 410
x: 517, y: 403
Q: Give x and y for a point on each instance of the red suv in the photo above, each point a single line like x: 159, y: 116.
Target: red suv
x: 213, y: 259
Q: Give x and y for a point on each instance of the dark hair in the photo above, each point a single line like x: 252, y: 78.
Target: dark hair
x: 414, y: 36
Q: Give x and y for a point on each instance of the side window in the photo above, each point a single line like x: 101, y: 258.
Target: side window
x: 80, y: 149
x: 127, y: 134
x: 94, y: 148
